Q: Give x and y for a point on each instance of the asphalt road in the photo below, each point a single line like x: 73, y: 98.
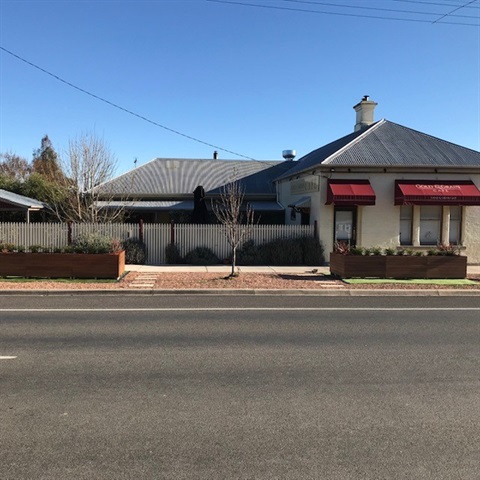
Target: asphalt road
x: 185, y: 387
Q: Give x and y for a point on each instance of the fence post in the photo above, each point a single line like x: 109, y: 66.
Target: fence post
x: 315, y: 229
x: 69, y: 233
x: 140, y: 230
x: 172, y: 232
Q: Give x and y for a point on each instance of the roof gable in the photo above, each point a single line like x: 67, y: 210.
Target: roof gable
x: 386, y: 144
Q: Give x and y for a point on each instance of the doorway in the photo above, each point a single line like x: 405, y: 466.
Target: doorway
x: 345, y: 219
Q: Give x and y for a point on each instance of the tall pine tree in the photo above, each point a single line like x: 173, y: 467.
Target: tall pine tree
x: 45, y: 161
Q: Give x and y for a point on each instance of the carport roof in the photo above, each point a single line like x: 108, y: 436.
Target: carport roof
x: 19, y: 202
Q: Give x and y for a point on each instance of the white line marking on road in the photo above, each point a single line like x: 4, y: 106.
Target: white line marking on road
x: 6, y: 358
x: 244, y: 309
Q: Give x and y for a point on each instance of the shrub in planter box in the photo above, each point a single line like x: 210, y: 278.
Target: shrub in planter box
x: 357, y: 265
x: 98, y: 257
x: 441, y: 262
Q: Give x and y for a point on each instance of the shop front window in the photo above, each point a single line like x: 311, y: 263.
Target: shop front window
x: 406, y: 216
x: 455, y: 225
x: 430, y: 224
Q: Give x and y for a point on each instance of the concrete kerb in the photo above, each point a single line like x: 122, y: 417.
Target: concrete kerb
x: 251, y: 292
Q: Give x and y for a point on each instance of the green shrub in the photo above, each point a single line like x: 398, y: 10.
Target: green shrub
x: 135, y: 251
x: 390, y: 251
x: 357, y: 251
x: 248, y: 254
x: 373, y: 251
x: 36, y: 248
x: 282, y: 252
x: 312, y: 251
x: 291, y: 251
x: 95, y: 243
x: 172, y: 254
x: 201, y: 256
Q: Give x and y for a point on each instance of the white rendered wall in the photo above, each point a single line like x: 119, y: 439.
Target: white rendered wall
x: 379, y: 225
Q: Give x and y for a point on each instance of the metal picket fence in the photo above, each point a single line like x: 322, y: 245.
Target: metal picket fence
x: 156, y: 236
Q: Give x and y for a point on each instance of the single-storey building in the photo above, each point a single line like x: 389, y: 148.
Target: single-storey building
x: 387, y: 185
x: 163, y: 189
x: 383, y: 185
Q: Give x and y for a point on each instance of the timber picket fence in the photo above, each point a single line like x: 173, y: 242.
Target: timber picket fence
x: 155, y: 235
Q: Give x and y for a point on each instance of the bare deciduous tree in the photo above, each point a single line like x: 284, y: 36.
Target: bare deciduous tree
x: 14, y: 167
x: 237, y: 222
x: 88, y: 165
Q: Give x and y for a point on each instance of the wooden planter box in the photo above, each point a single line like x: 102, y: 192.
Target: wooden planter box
x: 402, y: 266
x: 62, y: 265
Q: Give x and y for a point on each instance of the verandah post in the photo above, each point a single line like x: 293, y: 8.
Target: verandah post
x: 140, y: 230
x: 172, y: 233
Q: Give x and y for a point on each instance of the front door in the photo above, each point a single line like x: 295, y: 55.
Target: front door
x: 345, y: 225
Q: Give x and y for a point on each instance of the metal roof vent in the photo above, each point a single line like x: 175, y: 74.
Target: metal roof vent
x: 289, y: 154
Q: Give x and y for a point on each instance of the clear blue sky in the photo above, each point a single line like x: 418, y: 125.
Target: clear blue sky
x: 249, y: 79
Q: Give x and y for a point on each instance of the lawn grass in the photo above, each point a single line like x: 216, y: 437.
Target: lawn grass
x: 413, y: 281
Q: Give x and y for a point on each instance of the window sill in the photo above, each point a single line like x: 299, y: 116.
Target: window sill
x: 427, y: 247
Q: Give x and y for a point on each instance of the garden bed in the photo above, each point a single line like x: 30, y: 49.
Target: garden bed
x: 398, y: 266
x: 63, y: 265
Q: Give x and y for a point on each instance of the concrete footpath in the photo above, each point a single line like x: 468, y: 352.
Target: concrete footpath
x: 227, y: 269
x: 325, y: 270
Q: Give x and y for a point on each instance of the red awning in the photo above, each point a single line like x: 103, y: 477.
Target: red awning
x: 433, y: 192
x: 350, y: 192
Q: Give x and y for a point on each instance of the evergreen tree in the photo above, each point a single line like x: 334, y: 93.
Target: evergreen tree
x: 45, y: 161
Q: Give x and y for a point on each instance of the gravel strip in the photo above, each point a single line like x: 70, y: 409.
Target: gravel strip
x: 193, y: 281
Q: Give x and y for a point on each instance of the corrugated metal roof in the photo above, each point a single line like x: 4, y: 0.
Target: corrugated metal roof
x: 387, y: 144
x: 170, y: 176
x: 390, y: 144
x: 149, y: 205
x: 256, y: 205
x: 316, y: 157
x: 20, y: 200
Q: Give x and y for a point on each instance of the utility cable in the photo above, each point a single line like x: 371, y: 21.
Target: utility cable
x: 320, y: 12
x: 357, y: 7
x: 456, y: 9
x: 130, y: 112
x: 433, y: 3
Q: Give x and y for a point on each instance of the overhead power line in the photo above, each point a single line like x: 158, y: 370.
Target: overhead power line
x: 378, y: 9
x: 112, y: 104
x: 419, y: 2
x: 342, y: 14
x: 453, y: 11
